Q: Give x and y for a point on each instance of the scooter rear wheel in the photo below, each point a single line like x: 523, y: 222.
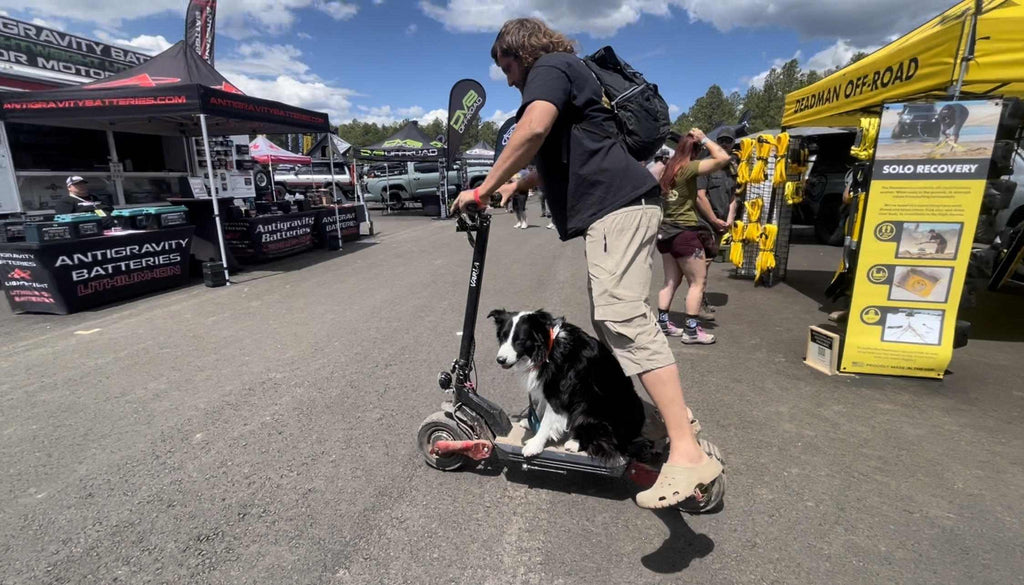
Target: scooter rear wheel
x: 714, y: 494
x: 440, y: 427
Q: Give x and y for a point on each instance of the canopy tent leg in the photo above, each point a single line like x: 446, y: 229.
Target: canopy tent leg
x: 361, y: 198
x: 118, y: 182
x: 972, y: 41
x: 273, y: 186
x: 334, y: 192
x: 443, y: 195
x: 213, y: 194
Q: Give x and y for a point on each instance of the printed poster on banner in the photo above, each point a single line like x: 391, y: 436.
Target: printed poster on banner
x: 928, y: 179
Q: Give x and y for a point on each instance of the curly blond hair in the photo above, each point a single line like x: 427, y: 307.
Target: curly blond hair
x: 528, y: 39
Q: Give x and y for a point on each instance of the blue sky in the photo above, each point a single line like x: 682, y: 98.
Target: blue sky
x: 384, y: 60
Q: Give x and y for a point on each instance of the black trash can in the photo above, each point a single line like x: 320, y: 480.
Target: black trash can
x: 431, y: 205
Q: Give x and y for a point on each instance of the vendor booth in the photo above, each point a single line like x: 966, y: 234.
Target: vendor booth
x: 269, y: 154
x: 410, y: 144
x: 178, y: 97
x: 940, y: 128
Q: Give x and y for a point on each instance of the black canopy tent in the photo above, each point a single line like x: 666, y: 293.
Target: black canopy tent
x: 409, y: 143
x: 176, y: 93
x: 163, y: 96
x: 335, y: 143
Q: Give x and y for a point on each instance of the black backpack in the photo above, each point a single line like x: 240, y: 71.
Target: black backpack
x: 641, y: 114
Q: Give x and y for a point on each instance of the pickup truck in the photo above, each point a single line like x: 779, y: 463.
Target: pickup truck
x: 316, y: 176
x: 396, y: 184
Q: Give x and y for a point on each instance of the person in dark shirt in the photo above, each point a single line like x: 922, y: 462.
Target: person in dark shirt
x: 78, y: 199
x: 940, y: 241
x: 596, y: 191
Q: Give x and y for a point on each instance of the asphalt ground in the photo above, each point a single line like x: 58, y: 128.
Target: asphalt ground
x: 265, y: 433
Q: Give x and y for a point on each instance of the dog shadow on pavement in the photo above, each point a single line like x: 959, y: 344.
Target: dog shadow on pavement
x: 681, y: 548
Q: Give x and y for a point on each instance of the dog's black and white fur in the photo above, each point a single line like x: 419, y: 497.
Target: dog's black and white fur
x: 578, y: 387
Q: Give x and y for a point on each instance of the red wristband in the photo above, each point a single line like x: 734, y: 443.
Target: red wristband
x: 476, y: 197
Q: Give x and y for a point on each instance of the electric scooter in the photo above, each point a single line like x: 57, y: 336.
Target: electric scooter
x: 471, y: 430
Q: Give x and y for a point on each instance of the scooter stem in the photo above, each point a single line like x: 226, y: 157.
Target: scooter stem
x: 476, y: 281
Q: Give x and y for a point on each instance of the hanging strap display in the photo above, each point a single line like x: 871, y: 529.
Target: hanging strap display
x: 764, y: 150
x: 865, y: 148
x: 794, y: 193
x: 736, y: 249
x: 781, y: 154
x: 743, y: 170
x: 753, y: 229
x: 766, y: 251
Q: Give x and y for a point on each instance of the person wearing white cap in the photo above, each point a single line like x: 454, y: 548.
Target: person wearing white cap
x: 78, y: 200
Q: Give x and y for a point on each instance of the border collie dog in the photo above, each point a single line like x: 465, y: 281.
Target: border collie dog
x: 575, y: 383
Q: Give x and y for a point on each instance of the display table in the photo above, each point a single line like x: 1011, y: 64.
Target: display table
x: 270, y: 236
x: 69, y: 276
x: 349, y: 215
x: 265, y: 237
x: 206, y: 248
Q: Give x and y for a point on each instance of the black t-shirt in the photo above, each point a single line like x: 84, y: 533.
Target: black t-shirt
x: 721, y: 187
x: 585, y: 169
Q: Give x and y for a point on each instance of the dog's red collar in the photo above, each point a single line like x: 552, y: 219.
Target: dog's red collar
x: 552, y: 333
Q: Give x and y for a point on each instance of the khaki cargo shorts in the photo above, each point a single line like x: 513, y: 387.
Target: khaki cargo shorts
x: 620, y: 263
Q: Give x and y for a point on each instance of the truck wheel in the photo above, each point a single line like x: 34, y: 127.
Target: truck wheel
x: 394, y: 200
x: 828, y: 225
x: 476, y: 182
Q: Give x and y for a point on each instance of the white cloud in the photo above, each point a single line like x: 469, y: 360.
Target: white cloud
x: 832, y: 57
x: 837, y: 55
x: 263, y: 60
x: 337, y: 10
x: 238, y: 19
x: 865, y: 20
x: 411, y: 29
x: 106, y: 12
x: 378, y: 2
x: 500, y: 116
x: 496, y: 73
x: 389, y: 115
x: 758, y: 80
x: 54, y: 24
x: 305, y: 36
x: 674, y: 110
x: 313, y: 95
x: 148, y: 44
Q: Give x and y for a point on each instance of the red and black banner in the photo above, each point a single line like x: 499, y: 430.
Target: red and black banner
x: 464, y: 104
x: 200, y: 27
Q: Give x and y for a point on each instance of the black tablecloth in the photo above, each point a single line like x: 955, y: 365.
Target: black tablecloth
x: 205, y: 248
x: 271, y: 236
x: 69, y: 276
x: 265, y: 237
x: 349, y: 215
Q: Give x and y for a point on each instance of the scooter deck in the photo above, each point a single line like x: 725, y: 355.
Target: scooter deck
x: 553, y: 457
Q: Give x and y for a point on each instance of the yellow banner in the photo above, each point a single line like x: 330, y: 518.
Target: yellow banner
x: 917, y: 64
x: 927, y: 183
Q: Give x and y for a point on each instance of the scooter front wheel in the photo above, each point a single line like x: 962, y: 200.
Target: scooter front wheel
x: 440, y: 427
